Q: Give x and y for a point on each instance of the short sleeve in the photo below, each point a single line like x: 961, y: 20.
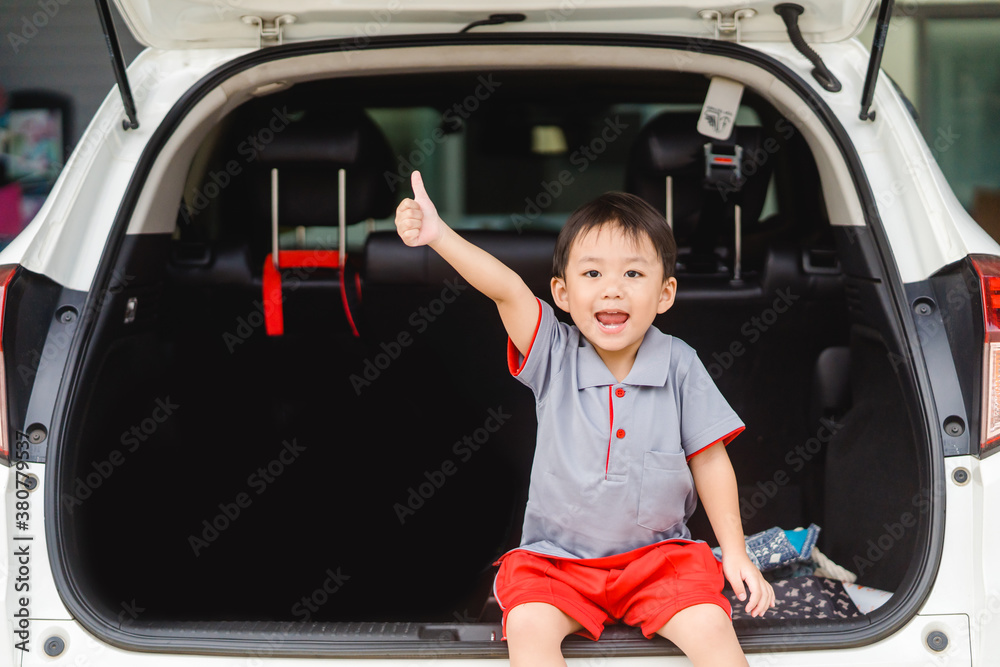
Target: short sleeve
x: 545, y: 354
x: 705, y: 414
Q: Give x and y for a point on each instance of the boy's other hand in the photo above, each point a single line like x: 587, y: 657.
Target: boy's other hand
x: 417, y: 219
x: 740, y: 569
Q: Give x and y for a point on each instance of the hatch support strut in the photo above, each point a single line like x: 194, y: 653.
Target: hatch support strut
x: 117, y: 64
x: 875, y: 60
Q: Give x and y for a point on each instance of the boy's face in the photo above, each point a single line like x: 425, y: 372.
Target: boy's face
x: 613, y: 288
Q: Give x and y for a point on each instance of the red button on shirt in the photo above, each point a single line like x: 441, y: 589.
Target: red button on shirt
x: 620, y: 433
x: 619, y: 392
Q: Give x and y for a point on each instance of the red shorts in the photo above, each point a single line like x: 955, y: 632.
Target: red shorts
x: 644, y: 587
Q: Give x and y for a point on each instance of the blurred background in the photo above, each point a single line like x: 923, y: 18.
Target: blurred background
x: 55, y: 72
x: 945, y: 57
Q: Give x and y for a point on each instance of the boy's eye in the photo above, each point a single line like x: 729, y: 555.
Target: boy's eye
x: 632, y: 274
x: 593, y: 273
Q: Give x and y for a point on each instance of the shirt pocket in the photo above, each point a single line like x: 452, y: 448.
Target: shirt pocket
x: 664, y: 490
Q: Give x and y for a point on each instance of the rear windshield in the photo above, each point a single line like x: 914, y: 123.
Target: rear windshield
x: 508, y: 170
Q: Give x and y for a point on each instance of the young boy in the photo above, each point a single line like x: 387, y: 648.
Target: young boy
x: 627, y: 418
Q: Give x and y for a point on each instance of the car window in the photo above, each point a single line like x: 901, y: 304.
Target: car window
x: 518, y: 168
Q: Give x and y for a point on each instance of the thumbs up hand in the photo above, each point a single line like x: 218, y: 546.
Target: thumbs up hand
x: 417, y: 220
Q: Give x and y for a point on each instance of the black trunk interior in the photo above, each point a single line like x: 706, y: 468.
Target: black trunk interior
x: 222, y: 474
x: 365, y: 496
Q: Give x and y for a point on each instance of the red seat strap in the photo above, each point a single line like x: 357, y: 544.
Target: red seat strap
x: 293, y: 259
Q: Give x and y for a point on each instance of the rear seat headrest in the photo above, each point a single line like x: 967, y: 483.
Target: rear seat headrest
x: 308, y: 152
x: 670, y: 145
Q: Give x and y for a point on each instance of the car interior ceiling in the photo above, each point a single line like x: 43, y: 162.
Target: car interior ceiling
x: 375, y: 418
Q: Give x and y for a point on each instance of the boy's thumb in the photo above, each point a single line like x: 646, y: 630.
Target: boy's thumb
x: 417, y: 182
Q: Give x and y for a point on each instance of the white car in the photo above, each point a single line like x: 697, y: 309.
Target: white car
x: 242, y: 420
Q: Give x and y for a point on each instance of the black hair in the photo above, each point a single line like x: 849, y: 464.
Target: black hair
x: 632, y: 214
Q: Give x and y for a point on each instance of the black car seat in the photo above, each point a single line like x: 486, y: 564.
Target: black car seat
x: 301, y: 168
x: 709, y: 179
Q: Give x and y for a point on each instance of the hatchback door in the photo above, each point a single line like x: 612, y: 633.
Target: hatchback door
x: 195, y: 24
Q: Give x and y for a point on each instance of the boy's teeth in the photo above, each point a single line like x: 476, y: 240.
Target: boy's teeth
x: 611, y: 318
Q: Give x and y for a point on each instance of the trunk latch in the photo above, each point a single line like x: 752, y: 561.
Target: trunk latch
x: 727, y: 24
x: 270, y: 31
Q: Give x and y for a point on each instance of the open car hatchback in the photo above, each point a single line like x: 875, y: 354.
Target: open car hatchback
x: 242, y: 419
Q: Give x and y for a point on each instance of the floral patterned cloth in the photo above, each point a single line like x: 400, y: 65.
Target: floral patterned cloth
x: 803, y: 598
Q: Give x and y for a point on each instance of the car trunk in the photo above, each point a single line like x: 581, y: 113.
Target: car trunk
x: 221, y: 477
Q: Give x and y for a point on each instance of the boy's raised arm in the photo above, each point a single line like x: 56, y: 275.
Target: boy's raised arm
x: 418, y: 223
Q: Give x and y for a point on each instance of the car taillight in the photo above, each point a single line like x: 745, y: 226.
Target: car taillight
x: 6, y: 274
x: 988, y: 268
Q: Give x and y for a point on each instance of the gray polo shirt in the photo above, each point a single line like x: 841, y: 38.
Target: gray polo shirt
x: 610, y: 471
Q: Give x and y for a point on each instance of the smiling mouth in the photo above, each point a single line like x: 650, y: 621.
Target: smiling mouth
x: 611, y: 320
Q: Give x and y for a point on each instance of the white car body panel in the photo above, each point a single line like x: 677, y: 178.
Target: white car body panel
x: 905, y: 649
x: 197, y: 24
x: 44, y: 598
x: 984, y: 542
